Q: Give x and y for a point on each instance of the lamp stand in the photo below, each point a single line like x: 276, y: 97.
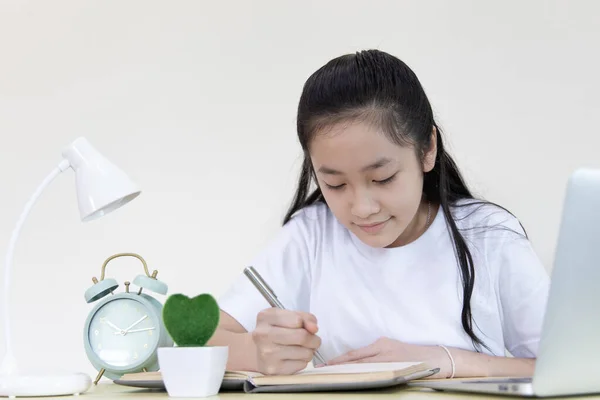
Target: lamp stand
x: 12, y: 382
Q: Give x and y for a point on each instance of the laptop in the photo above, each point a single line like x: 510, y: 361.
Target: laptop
x: 568, y: 361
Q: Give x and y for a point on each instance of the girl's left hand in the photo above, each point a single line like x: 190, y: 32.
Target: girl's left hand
x: 390, y: 350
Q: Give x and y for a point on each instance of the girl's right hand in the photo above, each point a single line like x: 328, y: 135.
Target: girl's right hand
x: 286, y: 340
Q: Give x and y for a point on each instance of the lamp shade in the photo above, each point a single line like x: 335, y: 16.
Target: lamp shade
x: 101, y: 186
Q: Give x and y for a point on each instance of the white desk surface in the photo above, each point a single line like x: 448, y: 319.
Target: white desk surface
x: 108, y: 390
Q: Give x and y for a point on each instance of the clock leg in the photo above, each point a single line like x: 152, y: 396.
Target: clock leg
x: 99, y: 376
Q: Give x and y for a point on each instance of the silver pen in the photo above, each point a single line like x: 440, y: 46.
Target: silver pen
x: 271, y: 298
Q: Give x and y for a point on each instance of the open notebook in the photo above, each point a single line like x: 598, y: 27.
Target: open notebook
x: 329, y: 378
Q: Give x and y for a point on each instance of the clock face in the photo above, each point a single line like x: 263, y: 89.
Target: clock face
x: 123, y: 332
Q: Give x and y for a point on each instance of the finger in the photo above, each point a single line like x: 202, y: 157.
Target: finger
x: 311, y: 327
x: 279, y: 317
x: 374, y: 359
x: 288, y: 319
x: 310, y: 321
x: 351, y: 356
x: 295, y: 353
x: 292, y: 366
x: 299, y: 337
x: 308, y: 316
x: 287, y: 367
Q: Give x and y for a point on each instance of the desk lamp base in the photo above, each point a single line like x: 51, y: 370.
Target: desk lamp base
x: 33, y: 385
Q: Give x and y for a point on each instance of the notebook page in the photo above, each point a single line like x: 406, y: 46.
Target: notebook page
x: 357, y: 368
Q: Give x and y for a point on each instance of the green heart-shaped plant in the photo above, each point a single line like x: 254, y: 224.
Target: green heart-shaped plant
x: 191, y: 322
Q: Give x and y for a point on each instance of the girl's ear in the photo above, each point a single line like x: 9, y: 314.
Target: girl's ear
x: 431, y: 152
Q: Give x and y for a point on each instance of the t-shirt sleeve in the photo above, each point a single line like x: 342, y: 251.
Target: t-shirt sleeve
x: 523, y: 285
x: 284, y: 264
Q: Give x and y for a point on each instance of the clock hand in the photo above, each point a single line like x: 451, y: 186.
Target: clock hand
x: 113, y: 326
x: 135, y: 330
x: 135, y: 323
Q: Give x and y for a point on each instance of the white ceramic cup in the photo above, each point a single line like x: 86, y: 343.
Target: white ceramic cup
x: 193, y: 371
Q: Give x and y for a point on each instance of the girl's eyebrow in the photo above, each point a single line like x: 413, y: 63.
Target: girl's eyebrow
x: 377, y: 164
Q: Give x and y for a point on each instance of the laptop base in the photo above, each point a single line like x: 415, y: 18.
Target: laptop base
x: 520, y: 387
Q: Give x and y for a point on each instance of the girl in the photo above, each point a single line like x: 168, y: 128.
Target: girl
x: 389, y: 257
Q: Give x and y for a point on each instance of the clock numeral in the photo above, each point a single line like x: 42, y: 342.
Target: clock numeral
x: 102, y: 320
x: 149, y: 333
x: 96, y: 332
x: 145, y: 345
x: 99, y: 346
x: 135, y: 356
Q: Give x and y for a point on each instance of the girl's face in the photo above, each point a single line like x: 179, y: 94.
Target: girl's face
x: 373, y: 186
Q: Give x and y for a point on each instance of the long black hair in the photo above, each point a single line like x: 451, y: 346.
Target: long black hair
x: 375, y: 85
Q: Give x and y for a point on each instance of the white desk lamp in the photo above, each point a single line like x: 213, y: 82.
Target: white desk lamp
x: 101, y: 188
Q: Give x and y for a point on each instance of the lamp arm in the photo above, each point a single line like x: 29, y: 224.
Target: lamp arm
x: 8, y: 363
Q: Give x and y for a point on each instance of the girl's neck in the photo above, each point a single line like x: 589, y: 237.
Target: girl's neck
x: 418, y: 226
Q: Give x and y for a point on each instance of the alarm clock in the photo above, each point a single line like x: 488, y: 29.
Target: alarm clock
x: 123, y: 331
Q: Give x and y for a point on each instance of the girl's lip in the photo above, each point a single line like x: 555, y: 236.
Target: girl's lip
x: 371, y: 225
x: 374, y: 227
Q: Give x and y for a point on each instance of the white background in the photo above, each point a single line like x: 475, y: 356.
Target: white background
x: 196, y: 101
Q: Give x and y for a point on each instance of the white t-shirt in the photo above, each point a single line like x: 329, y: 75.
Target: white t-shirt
x: 411, y: 293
